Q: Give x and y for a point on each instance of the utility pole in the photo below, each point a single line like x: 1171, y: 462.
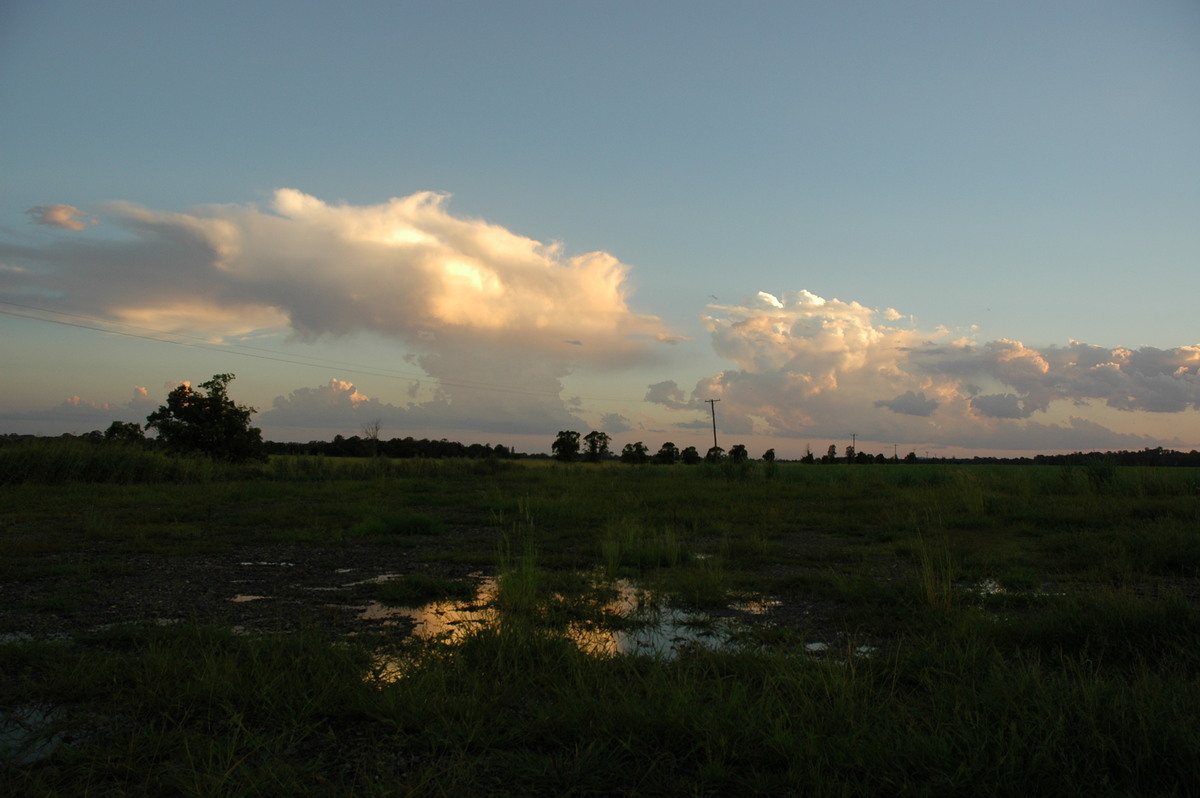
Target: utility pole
x: 713, y: 404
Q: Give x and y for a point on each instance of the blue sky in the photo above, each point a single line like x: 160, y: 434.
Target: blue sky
x: 958, y: 226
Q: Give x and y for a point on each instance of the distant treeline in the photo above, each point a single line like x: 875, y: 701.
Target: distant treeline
x: 400, y: 448
x: 1143, y: 457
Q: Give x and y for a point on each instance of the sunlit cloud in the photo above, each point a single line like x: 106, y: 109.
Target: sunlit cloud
x: 808, y: 366
x: 67, y: 217
x: 478, y: 305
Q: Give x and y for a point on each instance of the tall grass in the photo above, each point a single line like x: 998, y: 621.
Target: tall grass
x: 64, y: 461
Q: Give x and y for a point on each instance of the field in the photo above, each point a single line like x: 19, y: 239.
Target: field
x: 315, y: 626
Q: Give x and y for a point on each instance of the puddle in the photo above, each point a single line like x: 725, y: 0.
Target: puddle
x: 26, y: 735
x: 641, y: 625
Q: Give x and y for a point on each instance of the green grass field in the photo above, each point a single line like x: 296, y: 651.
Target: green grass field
x: 923, y: 629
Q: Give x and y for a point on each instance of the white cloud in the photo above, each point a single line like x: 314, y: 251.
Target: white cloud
x: 807, y: 366
x: 479, y: 304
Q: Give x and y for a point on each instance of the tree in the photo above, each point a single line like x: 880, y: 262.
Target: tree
x: 124, y: 432
x: 715, y: 455
x: 668, y: 454
x: 565, y: 446
x: 597, y: 446
x: 635, y: 453
x: 738, y: 454
x: 207, y: 421
x: 831, y: 455
x: 769, y: 456
x: 690, y: 456
x: 370, y: 433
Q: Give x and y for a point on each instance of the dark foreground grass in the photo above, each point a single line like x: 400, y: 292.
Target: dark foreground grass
x: 1076, y: 672
x: 976, y: 708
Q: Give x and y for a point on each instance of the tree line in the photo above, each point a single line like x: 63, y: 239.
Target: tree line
x: 206, y: 421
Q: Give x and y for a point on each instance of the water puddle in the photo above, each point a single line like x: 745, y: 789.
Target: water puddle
x: 630, y: 621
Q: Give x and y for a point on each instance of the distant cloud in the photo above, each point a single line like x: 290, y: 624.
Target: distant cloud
x: 68, y: 217
x: 479, y: 304
x: 909, y: 403
x: 669, y: 394
x: 615, y: 423
x: 80, y: 414
x: 339, y: 405
x: 811, y: 366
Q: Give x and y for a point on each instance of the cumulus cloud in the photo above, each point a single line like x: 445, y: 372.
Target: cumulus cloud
x: 67, y: 217
x: 480, y: 305
x: 806, y: 365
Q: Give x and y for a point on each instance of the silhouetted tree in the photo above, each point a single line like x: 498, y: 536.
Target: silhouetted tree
x: 124, y: 432
x: 831, y: 455
x: 769, y: 456
x: 690, y: 456
x: 738, y: 454
x: 635, y: 453
x: 565, y: 446
x: 207, y: 421
x: 370, y: 433
x: 597, y: 446
x: 668, y: 454
x: 715, y: 455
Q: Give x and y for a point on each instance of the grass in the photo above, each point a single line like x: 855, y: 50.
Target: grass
x: 1076, y: 673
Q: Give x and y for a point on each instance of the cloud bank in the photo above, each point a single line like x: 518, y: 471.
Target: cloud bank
x: 473, y: 303
x: 809, y: 366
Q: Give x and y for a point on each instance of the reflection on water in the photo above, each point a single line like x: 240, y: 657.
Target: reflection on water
x: 632, y: 621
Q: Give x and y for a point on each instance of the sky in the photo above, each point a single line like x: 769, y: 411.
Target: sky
x: 954, y: 228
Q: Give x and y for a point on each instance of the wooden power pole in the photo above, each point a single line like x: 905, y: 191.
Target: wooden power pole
x: 713, y: 404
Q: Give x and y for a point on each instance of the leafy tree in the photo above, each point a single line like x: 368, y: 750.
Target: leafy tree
x: 831, y: 455
x: 808, y: 455
x: 565, y: 446
x: 597, y: 446
x: 124, y: 432
x: 769, y: 456
x: 635, y: 453
x: 668, y: 454
x: 715, y: 455
x: 849, y: 454
x: 208, y: 422
x: 690, y: 456
x: 738, y: 454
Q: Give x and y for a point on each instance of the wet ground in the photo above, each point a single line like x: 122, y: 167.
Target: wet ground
x: 288, y: 588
